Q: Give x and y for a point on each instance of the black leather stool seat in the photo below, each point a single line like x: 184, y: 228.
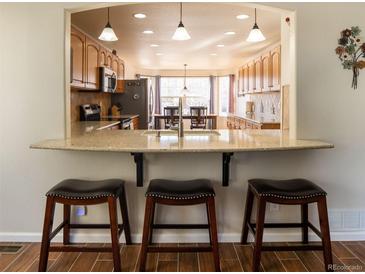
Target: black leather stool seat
x: 286, y: 189
x: 84, y: 189
x: 180, y: 190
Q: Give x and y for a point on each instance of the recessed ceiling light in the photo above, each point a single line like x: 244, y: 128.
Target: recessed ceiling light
x: 148, y: 31
x: 139, y: 15
x: 220, y: 46
x: 213, y: 54
x: 154, y: 45
x: 242, y: 16
x: 159, y: 53
x: 229, y: 33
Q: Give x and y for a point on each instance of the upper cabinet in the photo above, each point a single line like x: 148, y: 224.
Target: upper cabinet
x: 92, y: 64
x: 266, y: 72
x: 77, y: 55
x: 263, y: 73
x: 245, y: 79
x: 258, y: 75
x: 275, y: 59
x: 251, y: 77
x: 87, y: 55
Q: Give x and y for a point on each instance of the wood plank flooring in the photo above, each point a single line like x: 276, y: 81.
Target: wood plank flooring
x: 347, y: 256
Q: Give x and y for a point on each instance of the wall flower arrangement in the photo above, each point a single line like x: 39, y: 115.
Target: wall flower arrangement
x: 351, y: 52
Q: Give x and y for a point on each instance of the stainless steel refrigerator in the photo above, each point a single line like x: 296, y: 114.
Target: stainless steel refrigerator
x: 136, y: 99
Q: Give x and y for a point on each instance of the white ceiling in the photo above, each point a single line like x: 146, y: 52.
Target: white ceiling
x: 205, y: 22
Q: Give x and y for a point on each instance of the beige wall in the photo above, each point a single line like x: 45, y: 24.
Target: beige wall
x: 32, y: 93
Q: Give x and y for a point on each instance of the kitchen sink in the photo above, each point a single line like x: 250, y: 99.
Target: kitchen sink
x: 186, y: 132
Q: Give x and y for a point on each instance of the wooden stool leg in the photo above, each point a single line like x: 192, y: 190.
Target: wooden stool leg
x: 325, y: 231
x: 124, y: 211
x: 210, y: 236
x: 152, y: 220
x: 213, y: 232
x: 66, y: 228
x: 112, y: 202
x: 146, y: 232
x: 247, y: 217
x: 47, y: 229
x: 304, y: 209
x: 260, y: 220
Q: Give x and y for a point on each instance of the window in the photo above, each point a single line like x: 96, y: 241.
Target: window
x: 198, y: 95
x: 223, y: 87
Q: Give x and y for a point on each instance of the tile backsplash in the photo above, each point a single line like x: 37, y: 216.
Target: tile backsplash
x: 267, y: 105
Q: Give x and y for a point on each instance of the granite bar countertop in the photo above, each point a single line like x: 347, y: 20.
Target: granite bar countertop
x: 83, y: 127
x: 259, y: 118
x: 225, y: 140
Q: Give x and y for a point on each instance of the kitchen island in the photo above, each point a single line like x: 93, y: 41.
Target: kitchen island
x: 93, y: 136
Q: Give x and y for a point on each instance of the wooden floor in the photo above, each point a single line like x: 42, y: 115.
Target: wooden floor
x: 348, y: 256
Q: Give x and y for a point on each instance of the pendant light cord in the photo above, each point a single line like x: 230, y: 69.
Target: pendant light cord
x: 180, y: 11
x: 255, y: 16
x: 108, y: 15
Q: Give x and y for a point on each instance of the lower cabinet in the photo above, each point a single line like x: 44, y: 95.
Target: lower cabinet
x: 234, y: 122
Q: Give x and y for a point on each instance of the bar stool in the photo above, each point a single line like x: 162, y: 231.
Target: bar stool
x: 179, y: 193
x: 82, y: 192
x: 290, y: 192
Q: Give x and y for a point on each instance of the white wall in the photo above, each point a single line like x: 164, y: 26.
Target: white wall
x: 32, y: 109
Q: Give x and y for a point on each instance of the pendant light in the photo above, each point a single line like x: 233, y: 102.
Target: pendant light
x: 181, y: 33
x: 108, y: 33
x: 255, y: 34
x: 185, y: 90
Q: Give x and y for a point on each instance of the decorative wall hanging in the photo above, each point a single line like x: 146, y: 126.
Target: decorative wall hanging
x: 351, y: 52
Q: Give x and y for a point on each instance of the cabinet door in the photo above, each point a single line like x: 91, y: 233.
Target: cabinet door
x: 258, y: 75
x: 121, y: 70
x: 251, y: 77
x: 275, y: 59
x: 92, y: 64
x: 77, y: 58
x: 109, y: 59
x: 245, y: 79
x: 115, y: 64
x: 102, y: 57
x: 266, y: 72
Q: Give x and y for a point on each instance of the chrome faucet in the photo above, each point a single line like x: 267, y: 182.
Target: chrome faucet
x: 180, y: 127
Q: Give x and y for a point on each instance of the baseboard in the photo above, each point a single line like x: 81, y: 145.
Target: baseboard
x: 181, y: 237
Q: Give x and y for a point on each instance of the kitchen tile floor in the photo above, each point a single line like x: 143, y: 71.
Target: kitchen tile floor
x: 347, y: 256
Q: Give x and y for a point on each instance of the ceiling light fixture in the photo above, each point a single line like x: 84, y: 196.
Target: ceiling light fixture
x: 242, y: 16
x: 108, y: 33
x: 185, y: 89
x: 229, y: 33
x: 148, y: 32
x: 255, y: 34
x: 154, y: 45
x: 181, y: 33
x: 159, y: 53
x: 139, y: 15
x: 213, y: 54
x: 220, y: 46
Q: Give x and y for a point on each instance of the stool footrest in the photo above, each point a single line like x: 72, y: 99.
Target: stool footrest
x: 179, y: 249
x: 77, y: 248
x: 252, y: 227
x: 180, y: 226
x: 93, y: 226
x: 292, y: 247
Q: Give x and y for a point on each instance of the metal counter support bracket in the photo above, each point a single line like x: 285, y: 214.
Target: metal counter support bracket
x: 225, y: 171
x: 138, y: 159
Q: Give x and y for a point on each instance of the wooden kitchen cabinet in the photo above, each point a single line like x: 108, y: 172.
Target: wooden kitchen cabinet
x: 102, y: 56
x: 77, y: 70
x: 275, y: 64
x: 251, y: 77
x: 245, y: 79
x: 266, y: 72
x: 87, y: 55
x: 92, y: 64
x: 258, y: 75
x: 121, y: 70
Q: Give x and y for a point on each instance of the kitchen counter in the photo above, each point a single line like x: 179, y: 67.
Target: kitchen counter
x: 87, y: 136
x: 119, y: 117
x: 83, y: 127
x: 258, y: 118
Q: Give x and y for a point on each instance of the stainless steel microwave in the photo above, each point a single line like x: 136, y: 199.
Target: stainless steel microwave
x: 108, y: 79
